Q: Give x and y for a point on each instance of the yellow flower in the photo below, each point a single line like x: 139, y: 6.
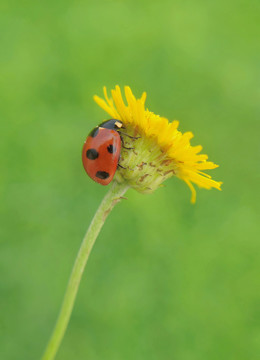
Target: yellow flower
x: 161, y: 151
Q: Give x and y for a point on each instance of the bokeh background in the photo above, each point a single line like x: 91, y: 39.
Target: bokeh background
x: 166, y: 279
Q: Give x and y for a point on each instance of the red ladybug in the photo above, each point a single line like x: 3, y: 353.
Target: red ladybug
x: 101, y: 151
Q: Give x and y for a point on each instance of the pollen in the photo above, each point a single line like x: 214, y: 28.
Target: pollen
x: 154, y: 149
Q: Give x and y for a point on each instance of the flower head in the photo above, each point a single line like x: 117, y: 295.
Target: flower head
x: 158, y: 150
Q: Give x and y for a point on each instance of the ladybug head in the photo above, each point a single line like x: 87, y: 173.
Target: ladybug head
x: 112, y: 124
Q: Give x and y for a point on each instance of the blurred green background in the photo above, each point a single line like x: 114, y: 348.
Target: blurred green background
x: 166, y: 279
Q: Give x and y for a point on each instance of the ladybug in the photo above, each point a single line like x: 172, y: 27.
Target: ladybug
x: 101, y: 151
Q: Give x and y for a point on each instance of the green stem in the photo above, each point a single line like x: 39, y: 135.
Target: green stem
x: 109, y: 201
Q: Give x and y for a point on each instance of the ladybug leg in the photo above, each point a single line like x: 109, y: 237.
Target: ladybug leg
x: 123, y: 143
x: 118, y: 165
x: 122, y: 167
x: 132, y: 137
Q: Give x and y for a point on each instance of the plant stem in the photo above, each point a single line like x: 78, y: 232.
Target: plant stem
x: 109, y: 201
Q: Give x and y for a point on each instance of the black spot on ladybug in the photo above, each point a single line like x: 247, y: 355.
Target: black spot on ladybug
x: 92, y: 154
x: 94, y: 132
x: 102, y: 174
x: 111, y: 149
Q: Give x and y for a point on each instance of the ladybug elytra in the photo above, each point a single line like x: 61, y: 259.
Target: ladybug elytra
x: 101, y: 151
